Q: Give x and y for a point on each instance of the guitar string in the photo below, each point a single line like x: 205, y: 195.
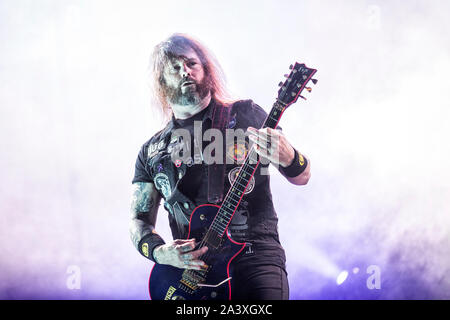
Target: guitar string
x: 206, y: 255
x: 239, y: 179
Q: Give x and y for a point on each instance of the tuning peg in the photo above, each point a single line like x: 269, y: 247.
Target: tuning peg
x: 302, y: 97
x: 309, y: 89
x: 280, y: 84
x: 286, y: 75
x: 314, y: 81
x: 291, y: 67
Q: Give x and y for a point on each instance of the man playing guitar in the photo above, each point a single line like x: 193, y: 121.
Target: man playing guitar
x: 188, y: 84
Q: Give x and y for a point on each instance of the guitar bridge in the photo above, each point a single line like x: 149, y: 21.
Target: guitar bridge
x: 191, y: 279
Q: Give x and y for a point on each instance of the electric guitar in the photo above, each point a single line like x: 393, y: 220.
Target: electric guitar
x: 210, y: 222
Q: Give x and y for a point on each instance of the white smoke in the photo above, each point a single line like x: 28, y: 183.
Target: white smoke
x: 75, y: 111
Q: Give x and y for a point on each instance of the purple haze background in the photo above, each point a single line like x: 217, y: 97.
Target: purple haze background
x: 75, y: 110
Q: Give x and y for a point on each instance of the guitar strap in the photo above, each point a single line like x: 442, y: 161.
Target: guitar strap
x: 216, y: 172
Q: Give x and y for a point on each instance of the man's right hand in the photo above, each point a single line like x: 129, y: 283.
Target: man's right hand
x: 180, y: 254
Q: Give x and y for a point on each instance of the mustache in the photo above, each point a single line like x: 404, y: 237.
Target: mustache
x: 187, y: 81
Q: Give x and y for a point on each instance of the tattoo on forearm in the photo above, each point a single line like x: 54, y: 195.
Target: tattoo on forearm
x: 144, y: 207
x: 141, y: 200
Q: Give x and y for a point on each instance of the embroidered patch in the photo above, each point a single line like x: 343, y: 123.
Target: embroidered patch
x: 161, y: 145
x: 237, y: 151
x: 232, y: 122
x: 162, y: 183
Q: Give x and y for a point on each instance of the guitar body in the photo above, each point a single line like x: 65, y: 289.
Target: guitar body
x: 171, y: 283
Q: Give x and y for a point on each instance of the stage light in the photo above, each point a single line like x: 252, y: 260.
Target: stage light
x: 341, y: 277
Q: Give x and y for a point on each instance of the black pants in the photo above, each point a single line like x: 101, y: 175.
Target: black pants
x: 261, y: 282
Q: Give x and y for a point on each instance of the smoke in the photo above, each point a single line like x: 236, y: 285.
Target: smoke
x: 75, y: 111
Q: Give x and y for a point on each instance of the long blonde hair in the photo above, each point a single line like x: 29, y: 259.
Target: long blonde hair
x: 176, y: 45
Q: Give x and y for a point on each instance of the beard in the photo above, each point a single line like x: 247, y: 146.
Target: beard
x: 188, y: 95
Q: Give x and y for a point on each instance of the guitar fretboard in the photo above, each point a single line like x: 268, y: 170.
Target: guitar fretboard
x: 236, y: 192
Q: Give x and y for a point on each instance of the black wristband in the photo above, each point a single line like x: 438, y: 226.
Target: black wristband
x: 148, y: 243
x: 297, y: 166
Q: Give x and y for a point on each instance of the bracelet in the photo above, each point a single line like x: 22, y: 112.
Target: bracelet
x: 148, y: 244
x: 297, y: 166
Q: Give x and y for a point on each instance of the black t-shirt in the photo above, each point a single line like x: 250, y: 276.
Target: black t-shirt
x: 183, y: 185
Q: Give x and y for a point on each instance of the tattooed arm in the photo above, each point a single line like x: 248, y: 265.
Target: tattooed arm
x: 144, y: 209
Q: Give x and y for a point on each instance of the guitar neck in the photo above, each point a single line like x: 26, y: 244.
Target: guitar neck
x: 236, y: 192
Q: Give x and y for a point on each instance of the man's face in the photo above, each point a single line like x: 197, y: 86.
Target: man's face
x: 185, y: 80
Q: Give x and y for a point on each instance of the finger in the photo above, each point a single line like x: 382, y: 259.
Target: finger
x: 260, y: 134
x: 194, y: 254
x: 265, y: 137
x: 195, y: 264
x: 263, y: 148
x: 185, y: 247
x: 260, y: 142
x: 182, y: 241
x: 272, y: 156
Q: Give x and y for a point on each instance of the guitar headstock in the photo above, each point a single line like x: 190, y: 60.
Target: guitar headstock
x: 295, y: 83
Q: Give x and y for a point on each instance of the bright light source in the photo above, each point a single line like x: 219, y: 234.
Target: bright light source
x: 341, y: 277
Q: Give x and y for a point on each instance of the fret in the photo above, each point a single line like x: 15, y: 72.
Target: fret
x: 251, y: 168
x: 228, y: 214
x: 236, y: 195
x: 235, y: 181
x: 235, y: 201
x: 274, y: 119
x: 253, y: 156
x: 244, y: 169
x: 214, y: 228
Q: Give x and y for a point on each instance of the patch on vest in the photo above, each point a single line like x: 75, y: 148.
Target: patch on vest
x: 237, y: 151
x: 162, y: 183
x: 155, y: 148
